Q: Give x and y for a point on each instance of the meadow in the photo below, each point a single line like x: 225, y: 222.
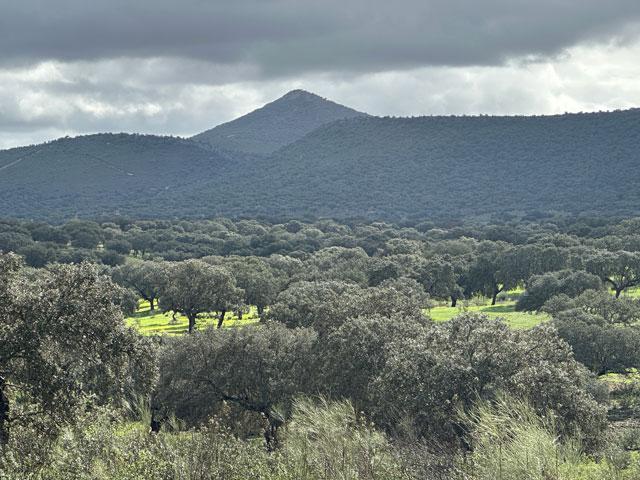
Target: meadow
x: 156, y: 322
x: 503, y: 310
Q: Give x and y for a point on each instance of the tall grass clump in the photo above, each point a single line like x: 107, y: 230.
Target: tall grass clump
x: 329, y: 440
x: 511, y: 441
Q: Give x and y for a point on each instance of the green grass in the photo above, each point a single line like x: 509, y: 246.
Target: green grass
x: 503, y: 310
x: 157, y: 323
x: 633, y: 292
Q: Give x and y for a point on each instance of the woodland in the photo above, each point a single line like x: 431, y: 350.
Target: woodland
x: 315, y: 349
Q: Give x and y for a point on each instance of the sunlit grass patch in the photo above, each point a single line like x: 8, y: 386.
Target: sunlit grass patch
x: 505, y: 311
x: 155, y: 322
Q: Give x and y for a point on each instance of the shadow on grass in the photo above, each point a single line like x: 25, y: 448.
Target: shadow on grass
x: 498, y: 309
x: 147, y: 313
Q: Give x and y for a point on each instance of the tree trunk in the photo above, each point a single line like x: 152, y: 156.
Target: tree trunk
x: 260, y: 309
x: 155, y: 423
x: 4, y: 414
x: 151, y: 307
x: 618, y: 291
x: 271, y: 432
x: 192, y: 322
x: 495, y: 296
x: 239, y: 314
x: 454, y: 301
x: 221, y: 318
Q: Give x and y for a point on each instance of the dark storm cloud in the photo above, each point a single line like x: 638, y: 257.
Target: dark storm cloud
x: 286, y: 37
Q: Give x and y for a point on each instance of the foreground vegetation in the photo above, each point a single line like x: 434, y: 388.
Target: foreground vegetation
x: 344, y: 366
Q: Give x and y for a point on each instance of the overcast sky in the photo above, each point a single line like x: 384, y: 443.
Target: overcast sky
x: 73, y: 67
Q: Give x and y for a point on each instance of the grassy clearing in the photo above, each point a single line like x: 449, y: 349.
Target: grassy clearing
x: 504, y: 310
x: 157, y: 323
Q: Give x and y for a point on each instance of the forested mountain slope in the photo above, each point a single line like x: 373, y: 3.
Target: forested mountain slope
x: 462, y: 166
x: 98, y: 175
x: 277, y: 124
x: 366, y: 167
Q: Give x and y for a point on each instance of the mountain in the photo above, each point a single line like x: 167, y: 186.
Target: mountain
x: 461, y: 167
x: 277, y: 124
x: 363, y: 166
x: 97, y: 175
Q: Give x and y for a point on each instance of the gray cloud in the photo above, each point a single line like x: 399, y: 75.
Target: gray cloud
x: 287, y: 37
x: 159, y: 66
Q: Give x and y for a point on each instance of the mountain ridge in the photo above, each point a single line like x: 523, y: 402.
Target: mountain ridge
x: 384, y: 168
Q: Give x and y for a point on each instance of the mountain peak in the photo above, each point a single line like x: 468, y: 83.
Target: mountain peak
x: 299, y: 94
x: 277, y: 123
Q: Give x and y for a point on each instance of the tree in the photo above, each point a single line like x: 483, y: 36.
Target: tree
x: 600, y: 329
x: 341, y: 264
x: 120, y: 245
x: 62, y: 340
x: 525, y: 261
x: 439, y: 279
x: 83, y: 234
x: 193, y: 287
x: 610, y: 310
x: 254, y: 368
x: 254, y: 275
x: 321, y: 305
x: 38, y: 255
x: 143, y: 277
x: 327, y: 305
x: 14, y: 241
x: 619, y: 269
x: 352, y: 356
x: 141, y: 241
x: 603, y: 348
x: 542, y: 287
x: 490, y: 273
x: 432, y: 369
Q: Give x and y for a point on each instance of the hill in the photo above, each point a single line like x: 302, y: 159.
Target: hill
x: 366, y: 167
x: 462, y: 166
x: 277, y: 124
x: 103, y: 174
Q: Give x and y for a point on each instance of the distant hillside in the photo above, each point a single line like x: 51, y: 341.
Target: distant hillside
x: 101, y: 174
x: 277, y: 124
x: 461, y: 166
x: 367, y: 167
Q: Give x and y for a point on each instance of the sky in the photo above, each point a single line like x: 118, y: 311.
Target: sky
x: 74, y: 67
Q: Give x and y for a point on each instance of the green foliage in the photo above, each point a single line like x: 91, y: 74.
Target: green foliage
x: 599, y: 329
x: 253, y: 368
x: 543, y: 287
x: 620, y: 269
x: 327, y: 305
x: 63, y: 340
x: 432, y: 369
x: 144, y: 278
x: 193, y: 287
